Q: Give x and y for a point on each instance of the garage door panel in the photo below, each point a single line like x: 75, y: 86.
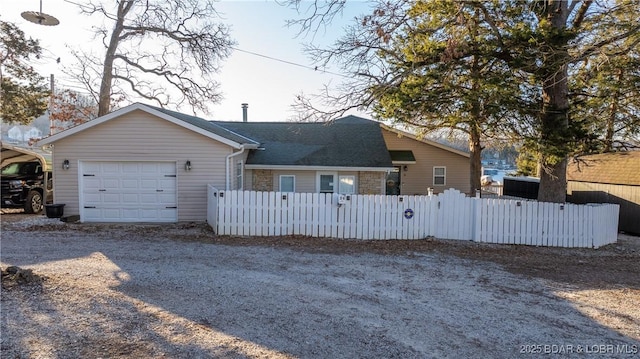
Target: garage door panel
x: 149, y: 213
x: 110, y: 167
x: 153, y: 168
x: 167, y: 214
x: 111, y: 183
x: 167, y: 184
x: 108, y: 198
x: 112, y: 213
x: 130, y: 184
x: 149, y: 183
x: 92, y: 198
x: 129, y: 191
x: 91, y: 167
x: 92, y: 214
x: 130, y: 167
x: 149, y: 198
x: 91, y: 183
x: 132, y: 198
x: 131, y: 213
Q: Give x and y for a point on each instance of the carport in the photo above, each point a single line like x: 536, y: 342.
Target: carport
x: 11, y: 154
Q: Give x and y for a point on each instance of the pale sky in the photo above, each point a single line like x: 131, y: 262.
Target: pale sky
x: 268, y: 86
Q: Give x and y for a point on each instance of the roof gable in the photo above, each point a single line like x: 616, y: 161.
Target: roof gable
x: 192, y: 123
x: 334, y: 144
x: 424, y: 140
x: 611, y: 168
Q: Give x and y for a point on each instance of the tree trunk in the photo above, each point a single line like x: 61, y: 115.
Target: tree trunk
x: 613, y: 109
x: 475, y: 160
x: 475, y: 147
x: 104, y: 98
x: 555, y: 110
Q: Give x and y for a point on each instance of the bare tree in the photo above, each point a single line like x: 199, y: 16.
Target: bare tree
x: 162, y: 51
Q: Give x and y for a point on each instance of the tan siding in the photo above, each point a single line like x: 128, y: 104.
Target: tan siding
x: 139, y: 136
x: 419, y: 176
x: 305, y: 180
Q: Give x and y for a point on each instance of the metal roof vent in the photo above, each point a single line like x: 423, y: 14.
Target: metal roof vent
x: 245, y: 106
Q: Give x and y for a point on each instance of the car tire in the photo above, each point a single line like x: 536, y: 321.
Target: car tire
x: 33, y: 204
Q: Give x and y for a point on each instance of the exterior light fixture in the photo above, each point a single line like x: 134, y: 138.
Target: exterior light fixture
x: 405, y: 167
x: 65, y: 164
x: 187, y: 166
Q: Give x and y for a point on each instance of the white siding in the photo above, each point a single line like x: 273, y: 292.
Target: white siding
x: 139, y: 136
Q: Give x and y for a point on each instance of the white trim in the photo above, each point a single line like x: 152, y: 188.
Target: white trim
x: 239, y: 175
x: 325, y: 173
x: 228, y: 168
x: 317, y: 168
x: 280, y: 182
x: 445, y: 175
x: 424, y: 140
x: 134, y: 107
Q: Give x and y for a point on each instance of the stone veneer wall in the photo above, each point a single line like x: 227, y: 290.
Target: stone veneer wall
x: 262, y: 180
x: 370, y: 182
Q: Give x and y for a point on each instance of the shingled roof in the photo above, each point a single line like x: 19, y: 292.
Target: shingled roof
x: 612, y: 168
x: 206, y: 125
x: 348, y: 142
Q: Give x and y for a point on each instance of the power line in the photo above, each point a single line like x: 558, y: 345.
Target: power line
x: 289, y: 62
x: 254, y: 54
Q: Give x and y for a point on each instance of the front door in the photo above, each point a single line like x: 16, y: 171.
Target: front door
x: 393, y: 181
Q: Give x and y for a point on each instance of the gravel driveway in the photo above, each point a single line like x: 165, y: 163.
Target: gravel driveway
x: 137, y: 291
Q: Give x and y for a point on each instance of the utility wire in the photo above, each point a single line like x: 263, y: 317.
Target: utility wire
x: 259, y: 55
x: 289, y: 62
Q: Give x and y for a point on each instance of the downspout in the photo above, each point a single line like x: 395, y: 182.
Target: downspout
x: 228, y: 167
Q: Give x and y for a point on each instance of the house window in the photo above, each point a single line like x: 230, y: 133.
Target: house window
x: 325, y: 182
x: 287, y: 183
x: 439, y: 176
x: 239, y: 185
x: 347, y: 185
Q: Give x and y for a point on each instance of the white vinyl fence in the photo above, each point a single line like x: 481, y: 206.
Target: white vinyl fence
x: 449, y: 215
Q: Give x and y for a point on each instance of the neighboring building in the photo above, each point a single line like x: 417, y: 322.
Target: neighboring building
x: 22, y: 135
x: 608, y: 178
x: 147, y: 164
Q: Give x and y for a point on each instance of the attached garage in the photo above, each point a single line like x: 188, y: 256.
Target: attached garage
x: 142, y: 164
x: 128, y: 191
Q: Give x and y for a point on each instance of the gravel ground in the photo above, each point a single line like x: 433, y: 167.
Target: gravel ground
x: 179, y: 291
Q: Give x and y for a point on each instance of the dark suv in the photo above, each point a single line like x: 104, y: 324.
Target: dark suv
x: 23, y: 185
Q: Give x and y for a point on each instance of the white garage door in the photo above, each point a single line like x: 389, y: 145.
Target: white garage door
x: 128, y: 192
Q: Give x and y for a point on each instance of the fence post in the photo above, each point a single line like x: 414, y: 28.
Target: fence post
x: 212, y: 208
x: 475, y: 219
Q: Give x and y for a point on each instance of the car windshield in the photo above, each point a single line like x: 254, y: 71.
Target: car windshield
x: 22, y: 168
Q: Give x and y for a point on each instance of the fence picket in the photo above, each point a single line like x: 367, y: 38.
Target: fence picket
x: 419, y: 213
x: 222, y: 216
x: 296, y: 209
x: 331, y: 215
x: 352, y: 220
x: 449, y: 215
